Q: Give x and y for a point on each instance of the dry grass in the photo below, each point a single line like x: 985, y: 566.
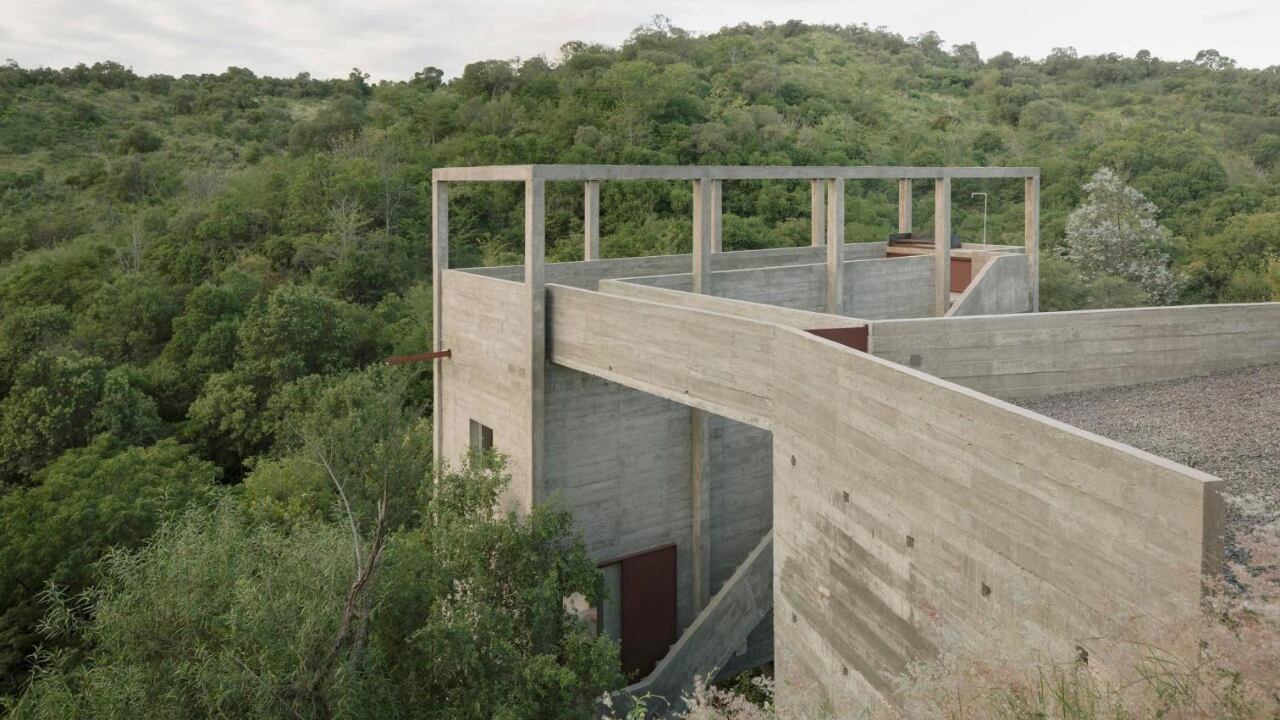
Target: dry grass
x: 1234, y: 674
x: 1231, y: 673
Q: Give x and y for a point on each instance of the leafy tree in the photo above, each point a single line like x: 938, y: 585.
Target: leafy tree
x: 1115, y: 232
x: 351, y: 612
x: 49, y: 408
x: 87, y: 501
x: 140, y: 139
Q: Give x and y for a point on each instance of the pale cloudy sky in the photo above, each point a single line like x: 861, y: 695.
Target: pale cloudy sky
x: 394, y: 38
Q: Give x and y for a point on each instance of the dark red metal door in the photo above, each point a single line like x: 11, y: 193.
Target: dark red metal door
x: 648, y: 609
x: 961, y: 273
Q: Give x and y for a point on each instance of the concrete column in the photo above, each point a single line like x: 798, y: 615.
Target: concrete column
x: 904, y: 205
x: 591, y: 221
x: 941, y: 246
x: 717, y: 216
x: 703, y: 232
x: 700, y: 493
x: 535, y: 216
x: 1031, y: 238
x: 439, y: 263
x: 835, y: 246
x: 705, y: 207
x: 817, y: 212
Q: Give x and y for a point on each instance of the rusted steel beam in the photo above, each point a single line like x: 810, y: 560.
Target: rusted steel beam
x: 418, y: 357
x: 854, y: 337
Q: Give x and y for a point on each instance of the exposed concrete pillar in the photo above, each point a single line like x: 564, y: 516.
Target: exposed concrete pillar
x: 705, y: 211
x: 535, y: 216
x: 591, y: 221
x: 703, y: 232
x: 904, y: 205
x: 700, y: 493
x: 717, y: 216
x: 835, y: 246
x: 817, y: 212
x: 941, y: 246
x: 1031, y: 238
x: 439, y: 263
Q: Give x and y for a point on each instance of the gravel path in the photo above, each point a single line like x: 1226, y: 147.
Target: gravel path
x: 1226, y: 425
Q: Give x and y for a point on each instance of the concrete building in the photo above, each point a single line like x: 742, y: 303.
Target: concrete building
x: 806, y: 455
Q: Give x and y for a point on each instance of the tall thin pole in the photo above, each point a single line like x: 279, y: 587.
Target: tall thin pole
x: 984, y: 214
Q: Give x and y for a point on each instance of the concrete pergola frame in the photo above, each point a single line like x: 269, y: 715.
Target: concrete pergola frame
x: 827, y: 214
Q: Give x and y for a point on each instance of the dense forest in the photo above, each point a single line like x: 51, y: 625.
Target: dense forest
x: 199, y: 276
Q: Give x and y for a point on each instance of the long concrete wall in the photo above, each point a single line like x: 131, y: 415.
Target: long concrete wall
x: 1029, y: 356
x: 586, y: 274
x: 910, y: 512
x: 803, y: 319
x: 897, y: 287
x: 1000, y: 287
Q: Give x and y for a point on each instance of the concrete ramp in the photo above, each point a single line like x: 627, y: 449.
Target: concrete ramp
x: 719, y: 631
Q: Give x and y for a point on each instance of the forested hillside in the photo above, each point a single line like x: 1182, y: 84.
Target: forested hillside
x: 190, y: 266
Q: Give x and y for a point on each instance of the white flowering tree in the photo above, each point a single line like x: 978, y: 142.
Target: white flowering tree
x: 1115, y: 232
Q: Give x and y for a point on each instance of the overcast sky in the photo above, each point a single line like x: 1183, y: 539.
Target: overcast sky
x: 393, y: 38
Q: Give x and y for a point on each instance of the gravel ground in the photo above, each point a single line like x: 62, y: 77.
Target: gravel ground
x: 1227, y: 425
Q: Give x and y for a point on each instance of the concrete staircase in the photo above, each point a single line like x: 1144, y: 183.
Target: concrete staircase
x: 711, y: 641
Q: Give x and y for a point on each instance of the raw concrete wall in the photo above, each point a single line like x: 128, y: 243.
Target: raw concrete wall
x: 1000, y: 287
x: 485, y: 323
x: 619, y: 459
x: 802, y: 319
x: 899, y: 287
x: 920, y: 514
x: 586, y: 274
x: 910, y: 513
x: 1029, y: 356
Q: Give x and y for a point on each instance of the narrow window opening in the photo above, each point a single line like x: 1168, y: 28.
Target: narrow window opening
x: 481, y: 437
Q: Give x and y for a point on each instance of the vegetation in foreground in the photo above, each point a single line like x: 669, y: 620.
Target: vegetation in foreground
x: 345, y: 581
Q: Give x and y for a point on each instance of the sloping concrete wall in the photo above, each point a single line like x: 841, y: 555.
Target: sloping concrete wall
x: 910, y: 512
x: 789, y: 317
x: 485, y: 323
x: 1028, y: 356
x: 1000, y: 287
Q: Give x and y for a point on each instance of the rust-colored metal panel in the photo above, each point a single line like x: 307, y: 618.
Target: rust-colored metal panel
x: 961, y: 273
x: 854, y: 337
x: 648, y: 609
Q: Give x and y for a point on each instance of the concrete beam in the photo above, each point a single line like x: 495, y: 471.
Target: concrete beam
x: 439, y: 264
x: 591, y: 220
x: 1031, y: 238
x: 835, y: 246
x: 941, y: 246
x: 904, y: 205
x: 581, y: 173
x: 535, y: 217
x: 817, y: 212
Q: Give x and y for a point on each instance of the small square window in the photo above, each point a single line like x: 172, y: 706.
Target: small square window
x: 481, y: 437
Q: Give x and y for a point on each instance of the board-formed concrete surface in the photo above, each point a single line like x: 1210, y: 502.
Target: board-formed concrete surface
x: 907, y: 512
x: 1226, y: 424
x: 1034, y: 355
x: 910, y: 512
